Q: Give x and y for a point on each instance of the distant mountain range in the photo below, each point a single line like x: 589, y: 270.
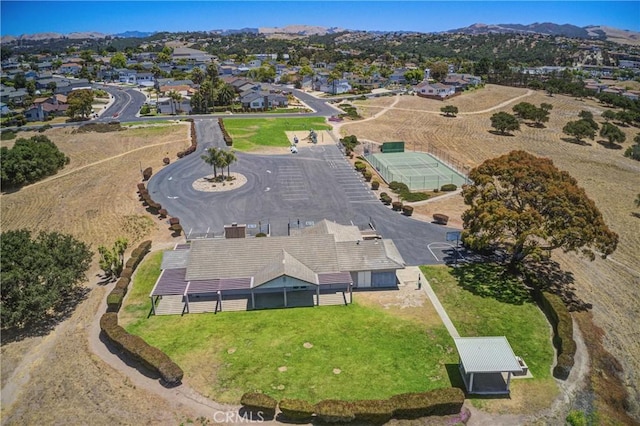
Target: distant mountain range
x: 547, y: 28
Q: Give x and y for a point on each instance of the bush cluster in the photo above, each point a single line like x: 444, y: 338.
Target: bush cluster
x: 405, y: 193
x: 135, y: 347
x: 448, y: 187
x: 114, y: 299
x: 227, y: 137
x: 194, y: 143
x: 385, y: 198
x: 560, y: 319
x: 146, y: 198
x: 30, y: 160
x: 259, y: 402
x: 439, y: 402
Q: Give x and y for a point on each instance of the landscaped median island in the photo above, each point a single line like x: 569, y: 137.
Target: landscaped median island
x: 483, y: 301
x: 250, y: 134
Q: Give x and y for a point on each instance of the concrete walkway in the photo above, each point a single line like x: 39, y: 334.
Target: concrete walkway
x: 410, y: 275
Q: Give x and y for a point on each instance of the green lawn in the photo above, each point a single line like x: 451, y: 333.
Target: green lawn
x: 470, y: 296
x: 227, y: 354
x: 251, y: 133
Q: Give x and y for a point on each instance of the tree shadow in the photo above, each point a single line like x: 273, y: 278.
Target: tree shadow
x: 497, y: 133
x: 536, y: 125
x: 494, y: 280
x: 609, y: 145
x: 576, y: 141
x: 547, y: 275
x: 44, y: 326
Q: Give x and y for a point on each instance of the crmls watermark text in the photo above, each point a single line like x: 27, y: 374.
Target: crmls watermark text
x: 231, y: 417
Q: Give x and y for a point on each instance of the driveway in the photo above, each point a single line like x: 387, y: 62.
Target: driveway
x: 286, y: 190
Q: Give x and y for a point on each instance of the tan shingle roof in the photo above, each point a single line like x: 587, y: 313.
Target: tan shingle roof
x: 285, y: 264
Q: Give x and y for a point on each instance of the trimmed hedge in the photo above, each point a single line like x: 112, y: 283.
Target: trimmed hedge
x: 259, y: 402
x: 367, y: 175
x: 386, y: 199
x: 439, y: 402
x: 116, y: 296
x: 412, y: 197
x: 146, y: 174
x: 296, y: 409
x: 177, y: 228
x: 407, y: 210
x: 135, y: 347
x: 375, y: 185
x: 225, y: 135
x: 174, y: 221
x: 560, y: 319
x: 396, y: 206
x: 448, y: 187
x: 334, y: 411
x: 194, y: 143
x: 372, y: 412
x: 440, y: 219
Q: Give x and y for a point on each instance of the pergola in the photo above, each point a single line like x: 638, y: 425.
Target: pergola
x: 484, y: 361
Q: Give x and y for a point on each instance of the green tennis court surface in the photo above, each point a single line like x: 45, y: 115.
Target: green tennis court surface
x: 418, y: 170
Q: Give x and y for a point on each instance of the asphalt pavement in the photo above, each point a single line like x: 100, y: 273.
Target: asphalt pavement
x: 286, y: 190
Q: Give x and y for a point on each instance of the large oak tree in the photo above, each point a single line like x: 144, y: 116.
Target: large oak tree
x: 39, y: 275
x: 524, y: 205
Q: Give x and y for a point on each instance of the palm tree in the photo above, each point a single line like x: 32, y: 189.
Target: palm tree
x: 226, y: 94
x: 230, y: 158
x: 212, y: 158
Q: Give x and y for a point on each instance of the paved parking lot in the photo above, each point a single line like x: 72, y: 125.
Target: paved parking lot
x: 315, y: 184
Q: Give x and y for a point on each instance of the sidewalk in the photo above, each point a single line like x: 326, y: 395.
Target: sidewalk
x: 410, y: 276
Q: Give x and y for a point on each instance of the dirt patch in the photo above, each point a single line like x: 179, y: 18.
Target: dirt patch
x: 206, y: 184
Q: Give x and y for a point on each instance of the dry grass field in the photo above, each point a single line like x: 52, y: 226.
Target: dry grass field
x: 94, y: 197
x: 609, y: 178
x: 57, y: 379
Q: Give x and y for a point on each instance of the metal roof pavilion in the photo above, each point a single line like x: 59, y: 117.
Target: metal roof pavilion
x: 486, y: 354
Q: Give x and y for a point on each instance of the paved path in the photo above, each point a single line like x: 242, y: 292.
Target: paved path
x: 410, y: 275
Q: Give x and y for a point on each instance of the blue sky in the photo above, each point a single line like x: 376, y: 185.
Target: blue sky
x: 27, y: 17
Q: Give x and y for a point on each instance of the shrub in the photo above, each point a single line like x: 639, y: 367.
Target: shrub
x: 560, y: 319
x: 139, y: 350
x: 386, y: 200
x: 114, y: 301
x: 375, y: 185
x: 174, y: 221
x: 412, y: 197
x: 146, y: 174
x: 360, y: 166
x: 259, y: 402
x: 177, y: 229
x: 260, y: 235
x: 407, y: 210
x: 127, y: 273
x: 141, y: 187
x: 166, y: 161
x: 296, y: 409
x: 448, y: 187
x: 398, y: 187
x: 439, y: 402
x: 122, y: 284
x: 396, y: 206
x: 162, y: 213
x: 383, y: 194
x: 372, y: 412
x: 367, y: 175
x: 334, y: 411
x: 440, y: 219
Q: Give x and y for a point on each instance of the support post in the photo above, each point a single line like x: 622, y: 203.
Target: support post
x: 285, y: 296
x: 253, y: 300
x: 471, y: 383
x: 318, y: 295
x: 508, y: 380
x: 153, y: 305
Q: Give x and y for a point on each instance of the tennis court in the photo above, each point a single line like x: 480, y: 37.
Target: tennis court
x: 418, y: 170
